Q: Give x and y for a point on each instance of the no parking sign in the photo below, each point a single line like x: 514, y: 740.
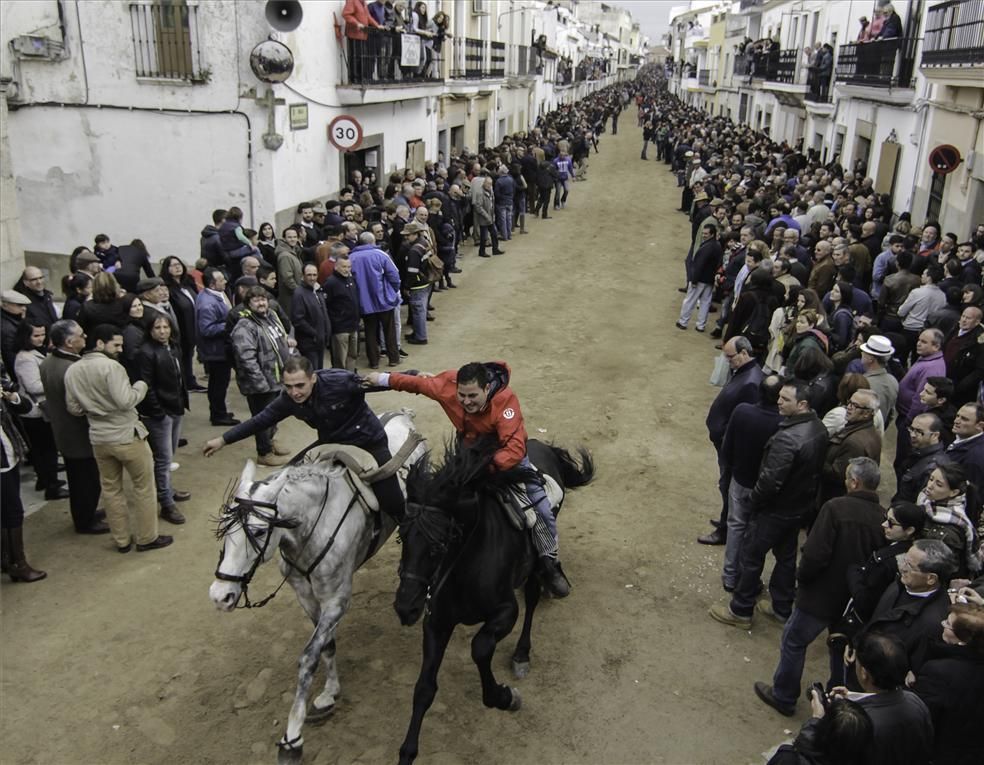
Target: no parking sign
x: 345, y: 133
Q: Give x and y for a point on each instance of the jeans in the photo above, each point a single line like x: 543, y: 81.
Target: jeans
x: 766, y: 532
x: 485, y: 232
x: 696, y: 293
x: 418, y: 312
x: 543, y: 201
x: 219, y: 374
x: 257, y: 402
x: 537, y: 493
x: 559, y: 186
x: 739, y: 512
x: 801, y: 629
x: 163, y: 437
x: 504, y: 219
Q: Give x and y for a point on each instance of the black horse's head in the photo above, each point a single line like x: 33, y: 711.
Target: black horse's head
x: 441, y: 504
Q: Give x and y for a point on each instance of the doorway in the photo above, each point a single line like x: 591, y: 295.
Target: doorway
x: 416, y: 157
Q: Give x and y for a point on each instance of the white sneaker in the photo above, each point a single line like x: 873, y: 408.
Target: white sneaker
x: 174, y: 466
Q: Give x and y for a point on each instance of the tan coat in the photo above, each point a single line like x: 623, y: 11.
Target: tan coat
x: 98, y: 387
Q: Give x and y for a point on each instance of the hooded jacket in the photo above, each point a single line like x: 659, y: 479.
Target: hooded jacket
x: 501, y: 415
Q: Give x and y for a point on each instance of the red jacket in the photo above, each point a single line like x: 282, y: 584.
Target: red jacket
x: 501, y: 414
x: 357, y: 12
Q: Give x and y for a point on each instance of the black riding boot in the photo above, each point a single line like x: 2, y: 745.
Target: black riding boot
x: 552, y: 577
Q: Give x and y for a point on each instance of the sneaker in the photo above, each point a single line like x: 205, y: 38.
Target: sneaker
x: 765, y: 608
x: 174, y: 466
x: 403, y: 353
x: 280, y: 451
x: 764, y: 692
x: 271, y: 460
x: 723, y: 613
x: 162, y: 541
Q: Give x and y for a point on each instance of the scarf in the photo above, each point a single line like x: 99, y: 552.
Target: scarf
x: 953, y: 512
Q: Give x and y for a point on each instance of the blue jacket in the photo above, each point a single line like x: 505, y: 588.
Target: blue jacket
x: 743, y: 387
x: 336, y: 408
x: 505, y: 191
x: 377, y: 279
x: 210, y: 318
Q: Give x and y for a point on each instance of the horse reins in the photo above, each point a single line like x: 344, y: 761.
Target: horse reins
x: 244, y: 579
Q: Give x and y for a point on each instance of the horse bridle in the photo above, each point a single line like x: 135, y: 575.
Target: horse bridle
x: 250, y: 506
x: 435, y: 581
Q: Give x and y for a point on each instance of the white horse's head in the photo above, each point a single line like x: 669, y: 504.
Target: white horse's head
x: 250, y: 526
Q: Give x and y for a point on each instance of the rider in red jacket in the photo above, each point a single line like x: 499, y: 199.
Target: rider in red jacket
x: 478, y: 401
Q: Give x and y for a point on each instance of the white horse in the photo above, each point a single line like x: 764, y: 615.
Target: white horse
x: 318, y: 516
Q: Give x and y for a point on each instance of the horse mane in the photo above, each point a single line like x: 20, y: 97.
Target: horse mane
x: 233, y: 513
x: 465, y: 468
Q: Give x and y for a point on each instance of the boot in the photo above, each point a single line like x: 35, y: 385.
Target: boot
x: 552, y: 577
x: 19, y: 570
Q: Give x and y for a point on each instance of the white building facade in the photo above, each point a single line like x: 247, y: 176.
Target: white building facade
x: 137, y: 119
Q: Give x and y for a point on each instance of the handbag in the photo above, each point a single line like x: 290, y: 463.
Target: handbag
x: 719, y: 375
x: 434, y: 268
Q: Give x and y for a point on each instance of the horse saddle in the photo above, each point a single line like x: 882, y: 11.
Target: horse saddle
x: 518, y: 507
x: 359, y: 462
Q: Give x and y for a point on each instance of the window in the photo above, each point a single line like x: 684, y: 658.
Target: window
x: 165, y: 40
x: 481, y: 134
x: 936, y: 186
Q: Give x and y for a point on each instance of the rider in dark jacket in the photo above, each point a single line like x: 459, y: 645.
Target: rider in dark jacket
x: 333, y: 402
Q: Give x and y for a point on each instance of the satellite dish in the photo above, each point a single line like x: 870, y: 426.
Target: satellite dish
x: 284, y: 15
x: 271, y: 61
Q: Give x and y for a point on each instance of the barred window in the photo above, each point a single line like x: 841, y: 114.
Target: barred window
x: 165, y: 40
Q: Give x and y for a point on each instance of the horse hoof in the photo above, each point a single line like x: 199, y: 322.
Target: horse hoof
x: 318, y: 715
x: 517, y: 700
x: 520, y: 669
x: 290, y: 756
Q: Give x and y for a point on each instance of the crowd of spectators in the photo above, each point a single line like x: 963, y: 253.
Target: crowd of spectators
x: 841, y: 323
x: 104, y: 378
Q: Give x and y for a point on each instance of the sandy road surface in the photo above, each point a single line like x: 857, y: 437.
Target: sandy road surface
x: 123, y: 659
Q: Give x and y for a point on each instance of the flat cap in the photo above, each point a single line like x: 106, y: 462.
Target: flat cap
x: 14, y: 297
x: 145, y: 285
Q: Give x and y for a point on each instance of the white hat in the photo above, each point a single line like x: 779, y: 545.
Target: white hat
x: 878, y: 345
x: 15, y: 298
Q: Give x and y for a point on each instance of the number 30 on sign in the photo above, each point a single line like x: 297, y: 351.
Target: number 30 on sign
x: 345, y: 133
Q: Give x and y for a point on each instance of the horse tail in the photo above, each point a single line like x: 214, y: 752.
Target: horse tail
x: 572, y: 473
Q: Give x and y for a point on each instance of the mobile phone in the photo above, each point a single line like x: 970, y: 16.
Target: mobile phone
x: 820, y: 692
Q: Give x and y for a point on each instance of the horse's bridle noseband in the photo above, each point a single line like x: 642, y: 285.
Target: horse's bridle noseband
x: 438, y: 545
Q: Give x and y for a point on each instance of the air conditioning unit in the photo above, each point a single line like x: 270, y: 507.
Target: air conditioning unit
x: 480, y: 8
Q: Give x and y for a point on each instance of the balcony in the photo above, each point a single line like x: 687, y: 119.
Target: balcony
x: 954, y: 36
x: 376, y: 62
x: 878, y: 64
x: 765, y: 64
x: 473, y: 59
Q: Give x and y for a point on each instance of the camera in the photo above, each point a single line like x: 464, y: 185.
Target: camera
x: 820, y: 692
x: 9, y: 385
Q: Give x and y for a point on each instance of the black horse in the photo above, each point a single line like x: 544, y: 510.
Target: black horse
x: 463, y: 559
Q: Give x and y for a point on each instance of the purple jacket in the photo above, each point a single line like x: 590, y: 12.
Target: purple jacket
x: 377, y: 279
x: 908, y: 402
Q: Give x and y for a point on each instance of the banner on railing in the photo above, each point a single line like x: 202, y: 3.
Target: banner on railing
x: 410, y: 50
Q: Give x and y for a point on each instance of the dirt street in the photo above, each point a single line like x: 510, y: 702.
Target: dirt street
x: 123, y: 659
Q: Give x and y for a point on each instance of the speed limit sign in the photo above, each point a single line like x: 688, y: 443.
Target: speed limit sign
x: 345, y: 133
